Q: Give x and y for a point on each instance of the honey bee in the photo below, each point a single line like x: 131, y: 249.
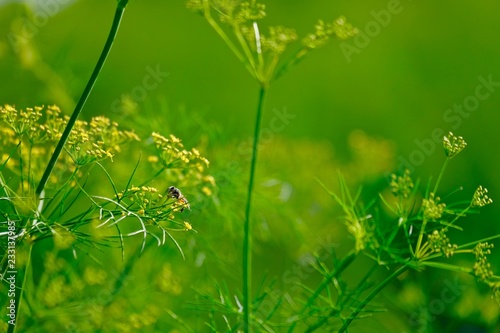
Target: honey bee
x: 175, y: 193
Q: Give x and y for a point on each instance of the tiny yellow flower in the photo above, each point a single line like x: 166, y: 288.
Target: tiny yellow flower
x: 206, y: 191
x: 152, y: 159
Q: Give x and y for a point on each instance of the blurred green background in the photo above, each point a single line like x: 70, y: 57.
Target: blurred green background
x: 397, y: 89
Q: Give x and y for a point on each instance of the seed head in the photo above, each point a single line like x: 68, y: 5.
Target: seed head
x: 453, y: 144
x: 433, y: 210
x: 480, y: 198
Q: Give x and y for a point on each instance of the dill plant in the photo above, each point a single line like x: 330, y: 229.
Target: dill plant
x: 413, y: 237
x: 47, y: 162
x: 262, y: 53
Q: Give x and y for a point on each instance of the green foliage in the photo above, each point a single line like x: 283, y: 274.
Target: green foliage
x: 260, y: 52
x: 84, y: 245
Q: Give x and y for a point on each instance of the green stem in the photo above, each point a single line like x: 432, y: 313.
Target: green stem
x: 372, y: 295
x: 478, y: 241
x: 441, y: 175
x: 83, y: 99
x: 449, y: 267
x: 247, y: 237
x: 420, y: 238
x: 248, y: 63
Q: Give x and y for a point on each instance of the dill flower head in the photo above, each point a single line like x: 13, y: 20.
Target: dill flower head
x: 22, y: 121
x: 187, y: 165
x: 339, y: 29
x: 172, y: 154
x: 275, y: 42
x: 97, y: 140
x: 146, y: 201
x: 433, y: 210
x: 482, y: 268
x: 453, y: 144
x: 250, y: 11
x: 440, y: 242
x: 402, y: 186
x: 480, y: 198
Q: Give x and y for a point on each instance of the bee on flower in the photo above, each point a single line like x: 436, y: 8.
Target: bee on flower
x: 175, y: 193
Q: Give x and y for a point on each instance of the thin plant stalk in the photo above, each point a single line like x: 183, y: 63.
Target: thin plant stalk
x: 247, y: 236
x: 120, y: 10
x: 441, y: 175
x: 343, y: 264
x: 336, y: 310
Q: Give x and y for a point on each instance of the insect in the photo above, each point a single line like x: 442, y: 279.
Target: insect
x: 175, y: 193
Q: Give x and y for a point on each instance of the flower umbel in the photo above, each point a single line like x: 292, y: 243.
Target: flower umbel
x: 97, y: 140
x: 439, y: 242
x: 339, y: 29
x: 482, y: 268
x: 480, y: 198
x: 402, y: 186
x: 453, y: 145
x: 433, y: 210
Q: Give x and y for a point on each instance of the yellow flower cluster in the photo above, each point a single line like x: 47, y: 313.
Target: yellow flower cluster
x: 187, y: 166
x: 339, y: 29
x: 97, y: 140
x: 453, y: 145
x: 22, y: 121
x: 439, y: 242
x: 481, y: 198
x: 402, y: 185
x: 172, y: 154
x: 30, y: 136
x: 151, y: 206
x: 482, y: 268
x: 433, y: 210
x: 32, y: 124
